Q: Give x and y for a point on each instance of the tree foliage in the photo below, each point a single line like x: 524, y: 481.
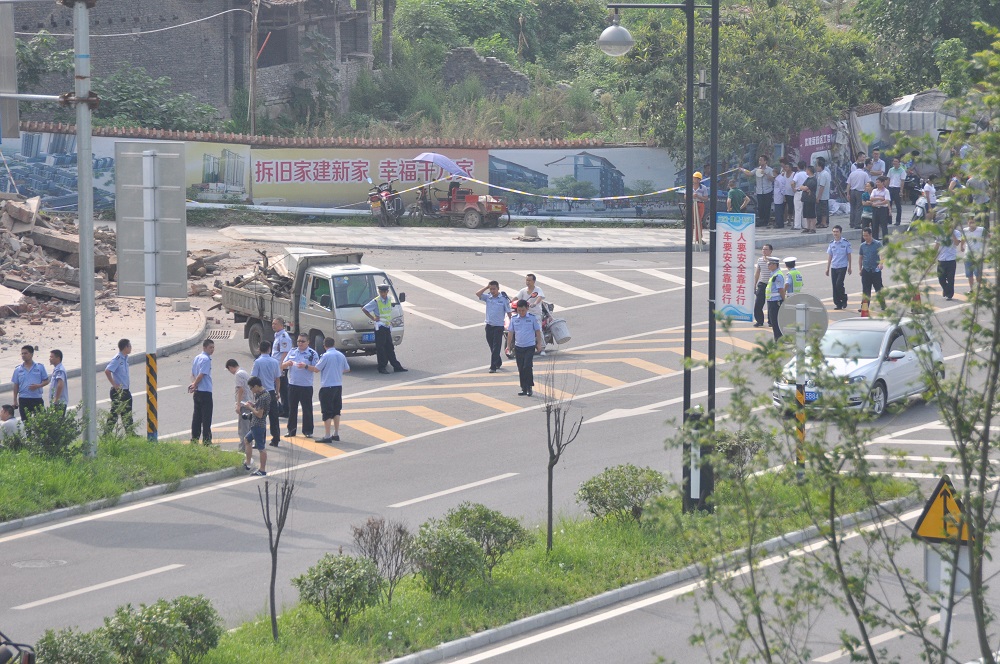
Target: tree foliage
x: 865, y: 574
x: 782, y: 70
x: 907, y: 34
x: 132, y: 98
x: 38, y: 57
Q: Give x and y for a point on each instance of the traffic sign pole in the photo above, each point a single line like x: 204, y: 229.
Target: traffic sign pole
x: 801, y: 316
x: 149, y: 216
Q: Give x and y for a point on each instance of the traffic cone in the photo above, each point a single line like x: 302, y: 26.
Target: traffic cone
x: 864, y: 306
x: 916, y: 302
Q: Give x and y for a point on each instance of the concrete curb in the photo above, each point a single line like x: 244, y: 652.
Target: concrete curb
x: 139, y: 358
x: 619, y: 595
x: 130, y: 497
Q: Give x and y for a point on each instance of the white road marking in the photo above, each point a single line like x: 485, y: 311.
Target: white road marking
x: 411, y: 309
x: 614, y: 281
x: 913, y: 441
x: 562, y: 286
x: 666, y: 276
x: 99, y: 586
x: 482, y: 281
x: 470, y: 485
x: 881, y: 638
x: 618, y: 413
x: 159, y: 389
x: 445, y: 297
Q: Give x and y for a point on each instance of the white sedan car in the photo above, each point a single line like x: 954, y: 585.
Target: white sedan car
x: 875, y: 357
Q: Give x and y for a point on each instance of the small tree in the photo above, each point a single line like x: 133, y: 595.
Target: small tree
x: 496, y: 533
x: 339, y: 586
x: 558, y: 436
x: 389, y: 545
x: 275, y: 513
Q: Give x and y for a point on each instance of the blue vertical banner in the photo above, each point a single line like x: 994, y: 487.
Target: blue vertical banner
x: 734, y: 261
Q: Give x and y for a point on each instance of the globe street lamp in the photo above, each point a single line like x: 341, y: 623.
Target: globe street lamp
x: 616, y: 41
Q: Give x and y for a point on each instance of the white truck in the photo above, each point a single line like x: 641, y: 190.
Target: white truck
x: 318, y: 293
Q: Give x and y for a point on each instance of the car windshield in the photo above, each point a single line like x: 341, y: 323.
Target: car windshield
x: 854, y: 344
x: 355, y: 290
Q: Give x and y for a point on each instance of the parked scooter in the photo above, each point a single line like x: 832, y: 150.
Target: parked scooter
x: 15, y: 653
x: 386, y: 205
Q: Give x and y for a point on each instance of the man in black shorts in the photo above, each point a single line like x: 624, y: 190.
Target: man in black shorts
x: 331, y: 369
x: 258, y: 409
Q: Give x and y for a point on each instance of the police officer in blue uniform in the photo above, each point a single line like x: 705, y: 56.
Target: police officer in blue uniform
x: 776, y: 290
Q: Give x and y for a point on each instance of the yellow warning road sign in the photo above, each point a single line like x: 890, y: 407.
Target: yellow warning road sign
x: 941, y: 516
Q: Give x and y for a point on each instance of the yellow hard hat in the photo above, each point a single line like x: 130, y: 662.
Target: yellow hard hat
x: 697, y: 174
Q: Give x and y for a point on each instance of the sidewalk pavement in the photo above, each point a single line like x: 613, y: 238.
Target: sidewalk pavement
x: 506, y: 240
x: 176, y: 330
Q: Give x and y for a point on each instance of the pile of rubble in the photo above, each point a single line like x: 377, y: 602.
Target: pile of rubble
x: 40, y: 255
x: 273, y: 276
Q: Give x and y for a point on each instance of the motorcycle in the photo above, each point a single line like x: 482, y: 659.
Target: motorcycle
x: 386, y: 205
x: 555, y: 331
x: 15, y: 653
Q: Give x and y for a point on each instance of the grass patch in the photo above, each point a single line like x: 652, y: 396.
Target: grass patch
x: 32, y: 484
x: 589, y: 557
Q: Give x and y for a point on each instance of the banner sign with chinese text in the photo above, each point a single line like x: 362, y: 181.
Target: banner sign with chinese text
x: 734, y: 265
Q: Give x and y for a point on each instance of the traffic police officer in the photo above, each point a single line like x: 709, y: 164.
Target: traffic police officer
x: 776, y: 289
x: 379, y: 311
x: 793, y: 277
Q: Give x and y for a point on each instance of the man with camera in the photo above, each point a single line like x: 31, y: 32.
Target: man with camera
x: 257, y: 410
x: 242, y: 395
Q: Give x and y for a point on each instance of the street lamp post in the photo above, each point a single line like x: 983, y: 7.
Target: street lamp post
x: 617, y: 41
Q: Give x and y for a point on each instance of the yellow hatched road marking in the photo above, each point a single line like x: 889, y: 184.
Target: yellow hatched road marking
x: 552, y: 392
x: 598, y: 378
x: 322, y: 449
x: 738, y: 343
x: 373, y: 430
x: 636, y: 362
x: 491, y: 402
x: 435, y: 416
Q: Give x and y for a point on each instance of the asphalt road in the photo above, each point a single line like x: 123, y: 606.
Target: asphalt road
x: 413, y: 445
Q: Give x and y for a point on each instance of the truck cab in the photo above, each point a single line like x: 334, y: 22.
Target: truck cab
x: 331, y: 304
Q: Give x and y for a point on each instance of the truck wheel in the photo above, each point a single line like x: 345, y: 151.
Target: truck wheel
x: 254, y: 337
x: 316, y: 341
x: 472, y: 219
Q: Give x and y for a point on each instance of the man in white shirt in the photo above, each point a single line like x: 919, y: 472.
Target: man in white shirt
x: 897, y: 176
x: 534, y: 295
x: 856, y: 182
x: 764, y: 188
x: 9, y: 425
x: 878, y: 166
x: 799, y: 178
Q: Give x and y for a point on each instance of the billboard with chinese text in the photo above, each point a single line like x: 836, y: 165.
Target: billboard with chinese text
x: 734, y: 263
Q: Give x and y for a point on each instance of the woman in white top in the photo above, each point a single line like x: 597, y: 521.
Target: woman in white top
x: 930, y: 193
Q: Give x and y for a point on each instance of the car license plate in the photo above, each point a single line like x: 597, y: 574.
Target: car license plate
x: 811, y: 396
x: 368, y: 338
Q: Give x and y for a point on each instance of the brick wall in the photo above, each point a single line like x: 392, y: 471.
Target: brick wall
x: 497, y: 77
x: 198, y: 58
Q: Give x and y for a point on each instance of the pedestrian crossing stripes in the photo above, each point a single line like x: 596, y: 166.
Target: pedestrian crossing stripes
x: 447, y: 297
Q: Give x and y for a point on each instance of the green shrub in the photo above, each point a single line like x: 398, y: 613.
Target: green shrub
x: 69, y: 646
x: 187, y: 627
x: 203, y: 627
x: 52, y: 431
x: 143, y: 636
x: 446, y: 557
x: 496, y: 533
x: 339, y: 586
x: 622, y: 491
